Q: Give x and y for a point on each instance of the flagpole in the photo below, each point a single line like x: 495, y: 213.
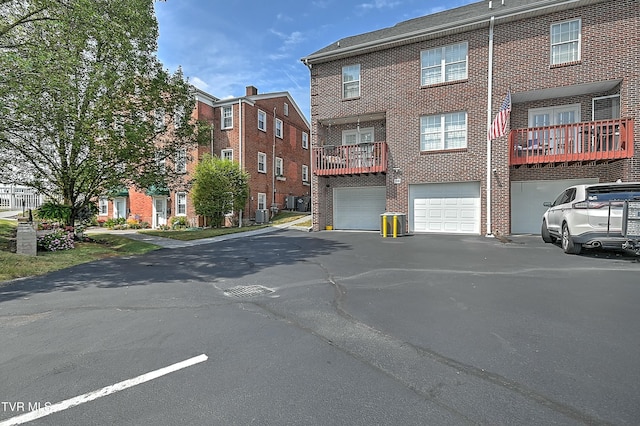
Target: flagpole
x: 489, y: 93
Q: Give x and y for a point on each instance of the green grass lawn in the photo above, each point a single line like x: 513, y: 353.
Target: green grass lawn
x: 14, y: 265
x: 197, y: 234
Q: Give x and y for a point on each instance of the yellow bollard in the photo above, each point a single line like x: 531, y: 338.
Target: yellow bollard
x: 395, y: 226
x: 384, y: 227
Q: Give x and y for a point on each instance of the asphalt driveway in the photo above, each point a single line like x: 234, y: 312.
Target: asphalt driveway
x: 327, y: 328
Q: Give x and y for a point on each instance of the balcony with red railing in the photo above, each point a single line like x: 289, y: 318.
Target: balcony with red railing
x: 599, y: 141
x: 338, y: 160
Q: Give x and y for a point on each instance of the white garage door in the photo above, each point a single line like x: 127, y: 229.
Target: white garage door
x: 358, y: 208
x: 445, y: 207
x: 527, y: 198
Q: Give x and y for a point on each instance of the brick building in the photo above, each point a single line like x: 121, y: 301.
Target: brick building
x: 400, y: 115
x: 266, y: 134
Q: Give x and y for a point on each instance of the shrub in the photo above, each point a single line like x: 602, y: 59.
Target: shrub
x: 57, y: 240
x: 178, y: 222
x: 133, y: 223
x: 54, y: 211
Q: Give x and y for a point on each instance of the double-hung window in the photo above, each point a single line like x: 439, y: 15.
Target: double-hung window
x: 181, y: 204
x: 279, y: 167
x: 161, y: 161
x: 227, y: 117
x: 351, y: 81
x: 279, y: 128
x: 445, y: 131
x: 262, y: 162
x: 103, y: 208
x: 305, y: 173
x: 181, y: 161
x: 262, y: 201
x: 305, y: 140
x: 159, y: 119
x: 262, y: 120
x: 227, y: 154
x: 444, y: 64
x: 565, y: 41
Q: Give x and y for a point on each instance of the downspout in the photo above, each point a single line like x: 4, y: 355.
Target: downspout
x: 240, y: 150
x: 489, y: 93
x: 273, y: 164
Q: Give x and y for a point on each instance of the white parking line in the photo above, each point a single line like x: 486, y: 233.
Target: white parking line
x: 108, y: 390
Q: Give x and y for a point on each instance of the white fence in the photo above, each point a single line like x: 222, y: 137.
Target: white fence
x: 13, y: 197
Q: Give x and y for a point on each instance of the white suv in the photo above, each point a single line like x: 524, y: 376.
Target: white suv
x: 588, y: 216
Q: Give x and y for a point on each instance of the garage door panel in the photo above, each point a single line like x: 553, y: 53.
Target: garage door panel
x: 449, y: 208
x: 358, y: 208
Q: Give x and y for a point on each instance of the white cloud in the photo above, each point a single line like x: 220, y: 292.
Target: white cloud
x: 199, y: 83
x: 379, y: 4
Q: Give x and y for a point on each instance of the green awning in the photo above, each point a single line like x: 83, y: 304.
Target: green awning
x: 157, y: 191
x: 120, y: 191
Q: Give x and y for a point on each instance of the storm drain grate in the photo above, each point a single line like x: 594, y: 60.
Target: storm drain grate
x: 247, y: 291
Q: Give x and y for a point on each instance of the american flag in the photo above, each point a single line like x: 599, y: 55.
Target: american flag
x: 499, y: 124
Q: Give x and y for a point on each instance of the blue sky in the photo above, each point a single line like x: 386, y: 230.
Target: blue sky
x: 224, y: 46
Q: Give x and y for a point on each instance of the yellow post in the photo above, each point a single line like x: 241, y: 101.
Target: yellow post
x: 395, y: 226
x: 384, y: 226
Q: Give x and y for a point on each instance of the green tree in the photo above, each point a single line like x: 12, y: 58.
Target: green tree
x: 86, y: 106
x: 219, y: 187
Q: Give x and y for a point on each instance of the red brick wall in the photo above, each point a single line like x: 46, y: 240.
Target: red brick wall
x: 390, y: 83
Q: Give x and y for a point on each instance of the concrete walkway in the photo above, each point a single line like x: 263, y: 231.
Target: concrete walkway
x: 10, y: 214
x: 170, y: 243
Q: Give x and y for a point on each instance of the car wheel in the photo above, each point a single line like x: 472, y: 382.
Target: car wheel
x: 546, y: 236
x: 568, y: 245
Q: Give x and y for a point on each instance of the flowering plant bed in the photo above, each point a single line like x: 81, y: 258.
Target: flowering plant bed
x: 57, y: 240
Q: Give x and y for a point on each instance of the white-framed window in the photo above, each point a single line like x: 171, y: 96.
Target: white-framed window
x: 227, y: 117
x: 161, y: 161
x: 605, y: 107
x: 262, y: 120
x: 227, y: 154
x: 262, y: 201
x: 305, y: 173
x: 181, y: 204
x: 445, y: 131
x: 555, y: 115
x: 286, y: 109
x: 262, y: 162
x: 178, y: 116
x: 103, y: 206
x: 565, y: 41
x: 279, y: 128
x: 279, y: 167
x: 181, y: 161
x: 158, y: 121
x: 443, y: 64
x: 305, y: 140
x: 351, y: 81
x: 357, y: 136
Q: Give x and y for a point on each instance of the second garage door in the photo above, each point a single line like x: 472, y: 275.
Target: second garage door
x: 358, y: 208
x: 445, y: 207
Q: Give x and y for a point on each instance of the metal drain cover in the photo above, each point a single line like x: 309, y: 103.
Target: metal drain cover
x: 247, y: 291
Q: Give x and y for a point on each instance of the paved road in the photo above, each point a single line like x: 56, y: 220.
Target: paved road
x: 328, y: 328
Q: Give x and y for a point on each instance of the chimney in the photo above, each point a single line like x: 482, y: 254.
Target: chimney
x: 252, y: 91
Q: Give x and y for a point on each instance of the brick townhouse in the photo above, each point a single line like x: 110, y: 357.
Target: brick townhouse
x: 400, y: 116
x: 266, y: 134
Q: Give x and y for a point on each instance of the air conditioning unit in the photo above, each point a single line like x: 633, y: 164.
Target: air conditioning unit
x: 291, y: 202
x: 262, y: 216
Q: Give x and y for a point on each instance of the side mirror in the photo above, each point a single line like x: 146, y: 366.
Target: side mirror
x: 547, y: 204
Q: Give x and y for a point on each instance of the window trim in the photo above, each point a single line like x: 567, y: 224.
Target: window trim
x: 279, y: 128
x: 443, y: 64
x: 442, y: 132
x: 578, y: 41
x: 305, y: 140
x: 263, y: 196
x: 227, y: 108
x: 181, y: 195
x: 225, y: 151
x: 279, y: 164
x: 262, y: 156
x: 103, y: 202
x: 263, y: 121
x: 305, y: 173
x: 181, y: 160
x: 358, y: 80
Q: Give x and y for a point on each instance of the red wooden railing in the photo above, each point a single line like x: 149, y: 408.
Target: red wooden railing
x: 334, y: 160
x: 587, y: 141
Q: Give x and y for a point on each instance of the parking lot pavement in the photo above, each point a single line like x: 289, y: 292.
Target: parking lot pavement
x: 330, y: 328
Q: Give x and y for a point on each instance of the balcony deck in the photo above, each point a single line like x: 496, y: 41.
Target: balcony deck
x: 598, y: 141
x: 339, y: 160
